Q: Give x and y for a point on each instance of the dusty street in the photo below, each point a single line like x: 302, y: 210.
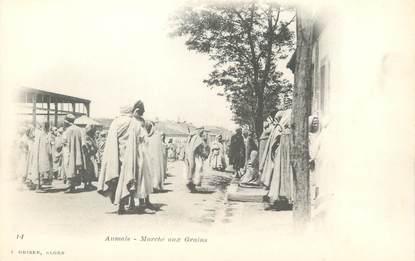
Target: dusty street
x: 77, y: 223
x: 83, y: 212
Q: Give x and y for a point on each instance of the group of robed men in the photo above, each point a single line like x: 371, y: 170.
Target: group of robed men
x: 268, y: 164
x: 275, y: 167
x: 175, y: 149
x: 68, y: 153
x: 132, y: 165
x: 134, y: 162
x: 197, y: 151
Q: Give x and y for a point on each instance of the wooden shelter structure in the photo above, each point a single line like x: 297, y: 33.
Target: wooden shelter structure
x: 51, y: 104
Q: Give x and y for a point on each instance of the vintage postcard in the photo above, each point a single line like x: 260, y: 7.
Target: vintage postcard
x: 207, y: 130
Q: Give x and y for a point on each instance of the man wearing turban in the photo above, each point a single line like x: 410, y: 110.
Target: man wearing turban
x: 40, y: 166
x: 90, y: 150
x: 124, y: 171
x: 196, y: 150
x: 155, y: 151
x: 74, y: 163
x: 237, y: 152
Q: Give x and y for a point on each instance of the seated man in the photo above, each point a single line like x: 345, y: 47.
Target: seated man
x: 251, y: 176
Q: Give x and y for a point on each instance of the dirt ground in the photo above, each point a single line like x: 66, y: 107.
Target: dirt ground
x: 89, y: 217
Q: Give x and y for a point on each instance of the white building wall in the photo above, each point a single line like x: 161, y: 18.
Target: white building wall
x: 326, y: 100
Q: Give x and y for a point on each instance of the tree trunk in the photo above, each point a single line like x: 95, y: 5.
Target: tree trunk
x: 301, y: 103
x: 259, y: 121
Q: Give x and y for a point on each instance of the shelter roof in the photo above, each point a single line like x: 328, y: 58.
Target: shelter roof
x: 25, y: 95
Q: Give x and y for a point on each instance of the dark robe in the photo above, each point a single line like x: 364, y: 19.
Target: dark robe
x: 237, y: 151
x: 90, y: 150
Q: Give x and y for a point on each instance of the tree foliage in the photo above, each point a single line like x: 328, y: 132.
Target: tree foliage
x: 245, y: 40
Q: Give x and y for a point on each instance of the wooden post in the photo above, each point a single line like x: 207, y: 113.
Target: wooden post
x: 34, y: 109
x: 48, y: 112
x: 73, y: 108
x: 56, y: 114
x: 301, y: 103
x: 87, y: 109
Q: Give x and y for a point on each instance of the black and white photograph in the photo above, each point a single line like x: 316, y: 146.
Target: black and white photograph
x: 207, y: 130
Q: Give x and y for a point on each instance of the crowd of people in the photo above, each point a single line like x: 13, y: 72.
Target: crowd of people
x: 69, y: 153
x: 175, y: 149
x: 135, y: 159
x: 266, y: 163
x: 129, y: 161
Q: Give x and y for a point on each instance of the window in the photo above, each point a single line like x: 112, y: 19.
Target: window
x: 324, y: 86
x: 315, y: 108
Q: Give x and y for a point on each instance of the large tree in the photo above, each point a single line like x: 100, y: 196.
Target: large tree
x: 245, y: 40
x: 300, y: 112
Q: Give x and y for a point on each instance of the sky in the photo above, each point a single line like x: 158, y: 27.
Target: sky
x: 111, y: 52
